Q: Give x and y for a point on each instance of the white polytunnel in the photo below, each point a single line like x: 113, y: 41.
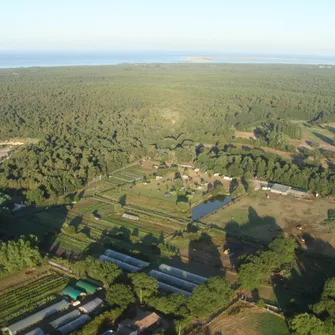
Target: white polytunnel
x: 172, y: 289
x: 180, y: 283
x: 65, y: 319
x: 74, y: 325
x: 182, y: 274
x: 91, y: 306
x: 36, y: 317
x: 122, y: 265
x: 126, y: 259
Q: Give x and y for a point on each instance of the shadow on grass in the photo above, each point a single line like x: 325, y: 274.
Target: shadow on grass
x: 324, y: 138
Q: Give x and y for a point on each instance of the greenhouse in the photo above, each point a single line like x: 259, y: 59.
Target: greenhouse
x: 91, y: 306
x: 72, y: 292
x: 87, y: 287
x: 126, y: 259
x: 172, y: 289
x: 65, y: 319
x: 183, y: 284
x: 74, y: 325
x: 36, y: 331
x: 182, y: 274
x: 122, y: 265
x: 37, y: 317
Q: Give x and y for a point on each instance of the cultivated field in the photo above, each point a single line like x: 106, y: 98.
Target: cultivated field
x: 242, y: 319
x: 30, y: 296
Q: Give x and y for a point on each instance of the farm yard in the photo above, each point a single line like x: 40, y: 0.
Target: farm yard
x: 29, y: 296
x: 263, y: 218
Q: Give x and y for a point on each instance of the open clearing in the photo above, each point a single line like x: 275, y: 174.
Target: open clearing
x: 242, y: 319
x: 262, y: 219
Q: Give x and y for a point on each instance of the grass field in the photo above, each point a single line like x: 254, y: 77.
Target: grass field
x: 31, y: 295
x: 242, y: 319
x: 262, y: 218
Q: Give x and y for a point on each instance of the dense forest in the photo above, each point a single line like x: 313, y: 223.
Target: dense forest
x: 92, y: 120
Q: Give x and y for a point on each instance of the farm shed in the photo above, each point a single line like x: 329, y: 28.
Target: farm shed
x: 130, y: 216
x: 91, y: 306
x: 280, y: 189
x: 36, y: 331
x: 171, y: 289
x: 171, y: 280
x: 191, y: 277
x: 126, y: 259
x: 36, y: 317
x: 122, y: 265
x: 72, y: 292
x: 87, y: 287
x: 74, y: 325
x: 65, y: 319
x: 298, y: 192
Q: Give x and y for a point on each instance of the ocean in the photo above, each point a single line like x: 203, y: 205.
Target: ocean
x: 16, y: 59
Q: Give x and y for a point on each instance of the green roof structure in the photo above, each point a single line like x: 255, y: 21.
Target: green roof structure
x: 87, y: 287
x: 72, y: 292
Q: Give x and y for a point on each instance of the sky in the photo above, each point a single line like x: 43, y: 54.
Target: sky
x: 251, y: 26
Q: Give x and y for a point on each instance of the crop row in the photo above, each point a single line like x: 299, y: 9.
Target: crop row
x: 30, y: 294
x: 46, y: 276
x: 11, y: 316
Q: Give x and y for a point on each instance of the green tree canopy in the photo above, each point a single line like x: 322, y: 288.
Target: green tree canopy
x: 144, y: 286
x: 121, y: 295
x: 206, y: 299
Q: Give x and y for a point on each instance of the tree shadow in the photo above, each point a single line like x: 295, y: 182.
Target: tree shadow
x: 324, y: 138
x: 245, y: 238
x: 302, y: 285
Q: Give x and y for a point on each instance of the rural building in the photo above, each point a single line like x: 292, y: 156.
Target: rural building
x: 280, y: 189
x: 91, y: 306
x: 141, y: 326
x: 216, y: 174
x: 185, y: 177
x: 227, y: 178
x: 72, y: 292
x: 159, y: 177
x: 298, y: 192
x: 36, y: 317
x: 147, y: 322
x: 74, y: 325
x: 130, y: 216
x: 87, y: 287
x: 65, y: 319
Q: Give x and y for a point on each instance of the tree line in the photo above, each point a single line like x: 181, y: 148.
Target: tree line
x: 250, y: 163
